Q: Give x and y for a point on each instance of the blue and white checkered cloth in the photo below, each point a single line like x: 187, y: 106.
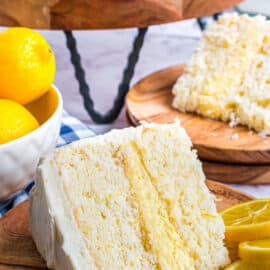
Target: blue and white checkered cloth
x: 71, y: 130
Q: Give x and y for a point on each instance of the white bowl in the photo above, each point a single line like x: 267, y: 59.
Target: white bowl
x: 19, y: 158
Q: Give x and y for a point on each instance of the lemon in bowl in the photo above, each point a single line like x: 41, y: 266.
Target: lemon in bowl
x: 15, y: 121
x: 27, y: 65
x: 19, y: 156
x: 30, y: 106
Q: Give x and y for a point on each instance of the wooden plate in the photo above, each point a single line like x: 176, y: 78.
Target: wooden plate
x: 18, y: 251
x: 237, y: 173
x: 150, y: 100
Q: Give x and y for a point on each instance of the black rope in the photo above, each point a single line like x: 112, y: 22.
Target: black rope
x: 123, y: 88
x: 203, y: 23
x: 216, y: 16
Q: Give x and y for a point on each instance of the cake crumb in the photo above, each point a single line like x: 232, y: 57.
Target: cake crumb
x: 177, y: 121
x: 235, y: 136
x: 234, y: 120
x: 263, y: 134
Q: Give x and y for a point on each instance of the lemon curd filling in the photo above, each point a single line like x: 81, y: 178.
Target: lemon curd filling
x: 162, y: 236
x: 136, y: 199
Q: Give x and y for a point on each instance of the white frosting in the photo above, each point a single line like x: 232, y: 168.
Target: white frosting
x: 52, y: 225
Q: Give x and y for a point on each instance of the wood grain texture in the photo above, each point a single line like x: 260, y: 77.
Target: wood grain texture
x: 195, y: 8
x: 18, y: 251
x: 227, y: 196
x: 16, y: 267
x: 16, y: 244
x: 29, y: 13
x: 106, y: 14
x: 237, y: 173
x: 150, y: 100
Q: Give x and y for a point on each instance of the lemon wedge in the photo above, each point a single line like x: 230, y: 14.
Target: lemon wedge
x: 247, y: 221
x: 243, y: 265
x: 258, y: 250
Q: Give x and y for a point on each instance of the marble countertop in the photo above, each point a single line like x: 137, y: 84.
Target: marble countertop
x: 104, y: 56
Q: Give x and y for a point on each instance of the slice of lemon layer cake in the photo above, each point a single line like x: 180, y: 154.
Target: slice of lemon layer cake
x: 131, y: 199
x: 228, y: 77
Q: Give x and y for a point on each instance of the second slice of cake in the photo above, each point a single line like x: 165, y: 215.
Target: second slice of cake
x: 131, y: 199
x: 228, y: 77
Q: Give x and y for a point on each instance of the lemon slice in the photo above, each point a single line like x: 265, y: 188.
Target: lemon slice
x: 258, y: 250
x: 247, y: 221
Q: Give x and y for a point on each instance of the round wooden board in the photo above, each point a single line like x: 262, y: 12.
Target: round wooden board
x: 227, y: 196
x: 150, y: 100
x: 247, y: 174
x: 17, y: 249
x: 237, y: 173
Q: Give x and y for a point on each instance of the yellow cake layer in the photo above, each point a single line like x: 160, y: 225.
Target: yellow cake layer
x: 228, y: 75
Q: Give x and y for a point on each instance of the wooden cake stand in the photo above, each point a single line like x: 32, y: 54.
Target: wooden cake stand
x: 105, y: 14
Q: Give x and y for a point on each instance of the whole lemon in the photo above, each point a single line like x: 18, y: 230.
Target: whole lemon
x: 27, y: 65
x: 15, y: 121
